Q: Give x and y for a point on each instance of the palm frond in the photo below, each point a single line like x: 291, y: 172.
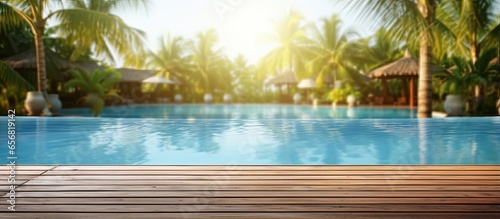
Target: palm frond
x: 102, y: 31
x: 13, y: 14
x: 9, y: 77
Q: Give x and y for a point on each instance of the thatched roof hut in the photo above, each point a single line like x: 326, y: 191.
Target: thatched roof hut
x: 284, y: 78
x: 404, y: 67
x: 89, y: 66
x: 27, y: 59
x: 134, y: 75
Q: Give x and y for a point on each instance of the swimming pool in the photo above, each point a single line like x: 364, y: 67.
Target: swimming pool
x: 263, y: 139
x: 246, y: 111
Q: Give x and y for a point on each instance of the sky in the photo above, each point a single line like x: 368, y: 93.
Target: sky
x: 240, y: 24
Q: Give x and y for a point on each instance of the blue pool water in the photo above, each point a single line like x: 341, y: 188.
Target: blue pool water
x: 255, y: 137
x: 244, y: 111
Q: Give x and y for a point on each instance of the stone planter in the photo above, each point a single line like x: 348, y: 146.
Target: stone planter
x: 351, y: 100
x: 297, y: 98
x: 208, y: 98
x: 55, y: 104
x: 454, y: 105
x: 178, y: 98
x: 227, y: 98
x: 34, y: 103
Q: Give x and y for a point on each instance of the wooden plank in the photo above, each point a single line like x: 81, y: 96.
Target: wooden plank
x: 21, y: 177
x: 268, y: 177
x: 258, y: 208
x: 209, y: 193
x: 269, y: 172
x: 253, y: 187
x: 23, y: 172
x: 394, y: 182
x: 252, y: 200
x: 290, y: 167
x: 253, y: 215
x: 260, y: 191
x: 27, y: 167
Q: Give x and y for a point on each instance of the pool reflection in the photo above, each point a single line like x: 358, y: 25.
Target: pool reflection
x: 257, y: 141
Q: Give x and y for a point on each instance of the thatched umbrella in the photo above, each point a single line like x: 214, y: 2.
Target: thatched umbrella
x: 404, y: 68
x: 287, y: 78
x: 134, y: 75
x: 282, y: 79
x: 158, y: 80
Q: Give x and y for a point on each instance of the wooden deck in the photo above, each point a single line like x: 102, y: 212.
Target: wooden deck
x: 125, y: 192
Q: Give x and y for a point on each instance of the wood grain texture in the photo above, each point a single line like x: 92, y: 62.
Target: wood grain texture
x: 254, y: 192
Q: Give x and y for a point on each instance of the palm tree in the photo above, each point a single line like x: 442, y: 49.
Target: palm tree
x: 474, y: 24
x: 210, y: 68
x: 292, y: 51
x: 78, y: 23
x: 11, y: 84
x: 336, y: 53
x: 110, y: 33
x: 379, y: 49
x: 245, y: 79
x: 170, y: 57
x: 409, y: 19
x: 97, y: 85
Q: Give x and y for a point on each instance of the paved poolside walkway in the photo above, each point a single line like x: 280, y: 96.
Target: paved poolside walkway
x: 124, y: 192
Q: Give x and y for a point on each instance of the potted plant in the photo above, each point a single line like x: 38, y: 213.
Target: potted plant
x: 97, y: 85
x: 457, y: 85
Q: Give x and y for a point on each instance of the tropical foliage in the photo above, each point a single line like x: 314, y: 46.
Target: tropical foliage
x: 13, y: 87
x: 466, y: 74
x: 89, y: 23
x: 335, y: 55
x: 293, y: 46
x: 210, y: 67
x: 170, y: 58
x: 97, y: 85
x: 463, y: 36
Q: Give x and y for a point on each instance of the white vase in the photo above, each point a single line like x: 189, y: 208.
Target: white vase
x: 34, y: 103
x: 297, y: 98
x: 208, y: 98
x: 351, y: 100
x: 315, y: 102
x: 227, y: 98
x: 55, y: 104
x: 454, y: 105
x: 178, y: 98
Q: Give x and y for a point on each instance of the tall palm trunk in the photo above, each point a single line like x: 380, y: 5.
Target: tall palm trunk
x: 426, y: 7
x: 474, y: 53
x: 40, y: 62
